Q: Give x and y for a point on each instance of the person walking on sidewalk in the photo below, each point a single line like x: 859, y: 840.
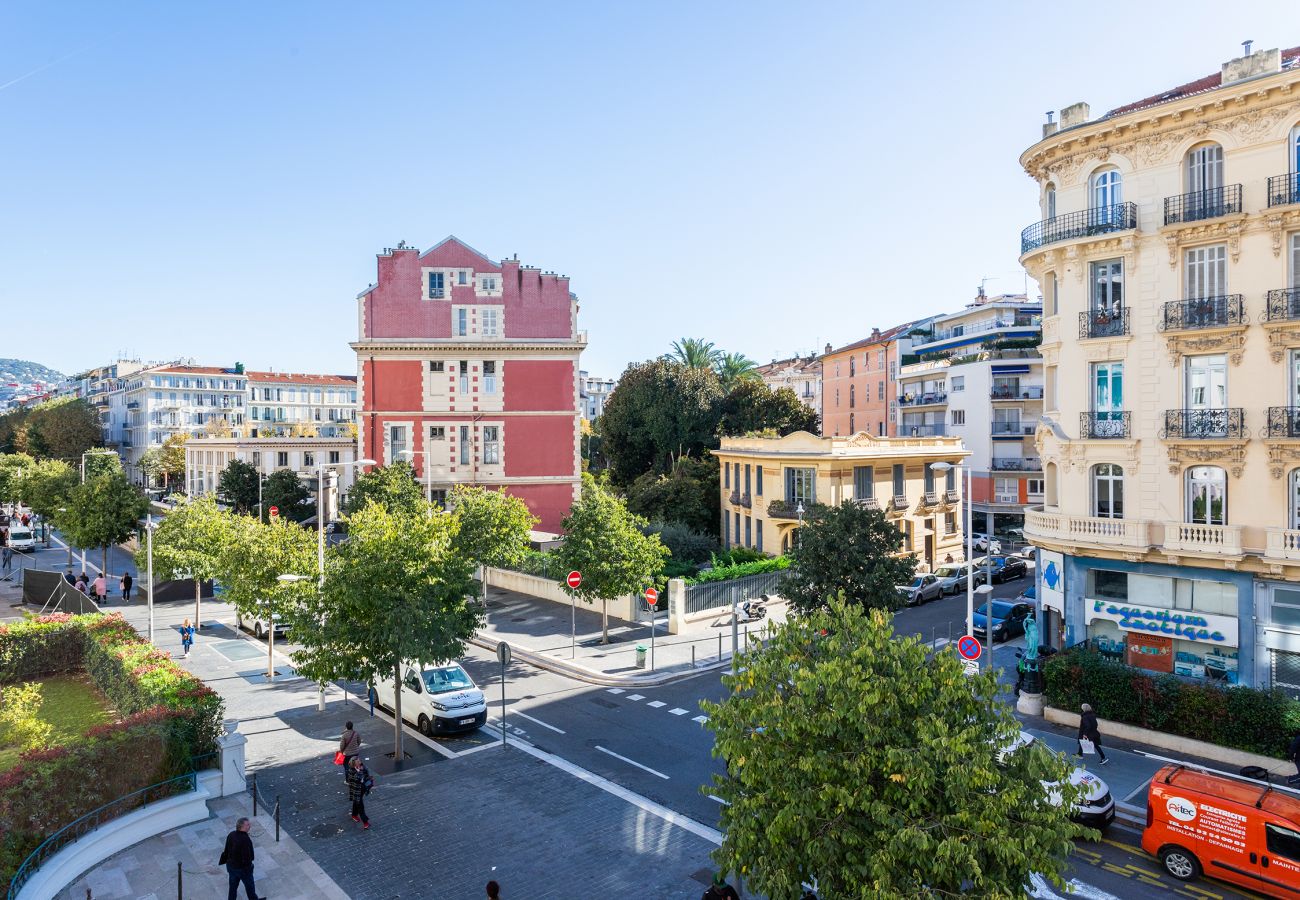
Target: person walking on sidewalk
x: 81, y: 583
x: 349, y: 746
x: 359, y: 784
x: 100, y: 587
x: 494, y: 890
x: 237, y: 857
x: 7, y: 557
x: 125, y: 585
x: 1088, y: 731
x: 187, y: 636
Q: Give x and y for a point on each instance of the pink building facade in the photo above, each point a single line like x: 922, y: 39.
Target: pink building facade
x: 469, y: 368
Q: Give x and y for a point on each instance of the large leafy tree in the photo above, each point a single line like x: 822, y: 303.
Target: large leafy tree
x: 393, y: 487
x: 45, y: 487
x: 190, y: 543
x: 253, y: 558
x: 869, y: 766
x: 171, y: 459
x: 63, y: 429
x: 102, y: 512
x: 735, y: 368
x: 284, y: 490
x: 493, y: 528
x: 396, y: 591
x: 687, y: 493
x: 752, y: 406
x: 237, y: 485
x: 849, y: 550
x: 12, y: 468
x: 607, y: 544
x: 694, y: 353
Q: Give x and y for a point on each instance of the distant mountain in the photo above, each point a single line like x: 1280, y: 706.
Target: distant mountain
x: 26, y: 373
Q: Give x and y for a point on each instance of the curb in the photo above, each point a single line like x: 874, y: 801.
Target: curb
x: 592, y: 676
x: 1130, y: 815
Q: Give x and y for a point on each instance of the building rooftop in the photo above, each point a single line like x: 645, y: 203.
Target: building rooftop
x: 298, y: 378
x: 195, y: 370
x: 860, y: 445
x: 1290, y: 59
x: 877, y: 337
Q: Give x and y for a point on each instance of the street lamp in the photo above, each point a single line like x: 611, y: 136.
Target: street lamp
x: 799, y: 511
x: 970, y: 555
x: 149, y: 528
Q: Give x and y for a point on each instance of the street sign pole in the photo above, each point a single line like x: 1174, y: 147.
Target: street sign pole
x: 503, y: 654
x: 652, y: 599
x: 573, y: 580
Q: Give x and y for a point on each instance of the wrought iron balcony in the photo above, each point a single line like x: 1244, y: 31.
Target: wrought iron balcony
x: 1096, y: 426
x: 784, y: 509
x: 923, y: 399
x: 1101, y: 324
x: 1284, y: 189
x: 739, y: 499
x: 1203, y: 424
x: 868, y: 502
x: 1019, y: 429
x: 951, y: 496
x: 1283, y: 305
x: 1203, y: 312
x: 1087, y: 223
x: 1283, y: 422
x: 1208, y: 204
x: 1026, y: 392
x: 1016, y: 464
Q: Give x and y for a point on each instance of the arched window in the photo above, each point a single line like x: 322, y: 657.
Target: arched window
x: 1108, y: 491
x: 853, y: 367
x: 853, y: 395
x: 852, y: 430
x: 1293, y: 501
x: 1107, y: 187
x: 1050, y: 500
x: 1049, y: 201
x: 1207, y: 495
x: 1204, y: 168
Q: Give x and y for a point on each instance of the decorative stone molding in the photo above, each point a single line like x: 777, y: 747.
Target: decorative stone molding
x: 1101, y: 350
x: 1231, y: 453
x: 1278, y: 224
x: 1227, y: 229
x: 1224, y: 340
x: 1282, y: 336
x: 1280, y: 454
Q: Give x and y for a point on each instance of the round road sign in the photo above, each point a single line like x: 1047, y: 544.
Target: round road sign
x: 574, y: 579
x: 275, y: 511
x: 969, y: 647
x: 503, y: 653
x: 651, y: 596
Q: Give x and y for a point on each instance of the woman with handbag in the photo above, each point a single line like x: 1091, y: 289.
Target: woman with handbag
x: 349, y: 747
x: 187, y: 636
x: 359, y: 784
x: 1088, y: 732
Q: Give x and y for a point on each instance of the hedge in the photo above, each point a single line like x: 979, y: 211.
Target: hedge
x: 1257, y: 721
x: 740, y: 570
x: 168, y: 717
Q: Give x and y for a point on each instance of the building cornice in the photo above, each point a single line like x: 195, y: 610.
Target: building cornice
x: 405, y: 348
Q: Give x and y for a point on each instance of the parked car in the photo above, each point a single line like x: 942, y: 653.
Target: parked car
x: 260, y: 627
x: 981, y: 541
x: 921, y: 589
x: 1008, y: 619
x: 435, y: 698
x: 1028, y: 554
x: 1095, y: 807
x: 952, y: 577
x: 1003, y: 568
x: 21, y: 537
x: 1029, y: 595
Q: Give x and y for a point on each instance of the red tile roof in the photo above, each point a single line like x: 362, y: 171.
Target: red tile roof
x: 888, y: 334
x: 1199, y: 86
x: 192, y: 370
x: 295, y: 378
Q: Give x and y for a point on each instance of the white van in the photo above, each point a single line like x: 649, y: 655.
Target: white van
x: 437, y: 699
x: 21, y: 537
x: 1095, y: 807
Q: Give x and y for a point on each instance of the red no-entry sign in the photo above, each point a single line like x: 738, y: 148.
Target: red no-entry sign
x: 651, y: 596
x: 574, y: 579
x: 275, y: 511
x: 969, y: 647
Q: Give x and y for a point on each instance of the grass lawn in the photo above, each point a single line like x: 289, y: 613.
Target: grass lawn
x: 71, y: 704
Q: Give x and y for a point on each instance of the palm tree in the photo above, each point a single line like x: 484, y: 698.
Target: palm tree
x: 733, y: 368
x: 694, y: 353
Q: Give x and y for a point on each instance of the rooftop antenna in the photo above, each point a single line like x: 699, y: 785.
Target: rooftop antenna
x: 1245, y: 46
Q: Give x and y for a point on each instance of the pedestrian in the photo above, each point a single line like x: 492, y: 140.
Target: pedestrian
x: 125, y: 585
x: 349, y: 746
x: 237, y: 857
x: 6, y: 557
x: 494, y: 890
x: 81, y: 584
x: 359, y: 784
x: 1088, y: 731
x: 187, y: 636
x: 1293, y: 754
x: 720, y: 890
x: 100, y: 587
x: 67, y: 576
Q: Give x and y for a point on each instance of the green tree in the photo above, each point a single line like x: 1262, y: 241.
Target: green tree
x: 870, y: 765
x: 12, y: 468
x: 396, y: 591
x: 734, y: 368
x: 694, y: 353
x: 284, y: 490
x: 393, y: 487
x: 752, y: 406
x: 63, y: 429
x: 95, y: 463
x: 493, y: 528
x: 237, y: 486
x: 607, y: 544
x: 847, y: 550
x: 171, y: 459
x: 46, y: 486
x: 102, y: 512
x: 688, y: 494
x: 189, y: 543
x: 253, y: 557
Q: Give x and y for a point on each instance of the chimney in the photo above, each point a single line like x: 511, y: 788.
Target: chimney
x: 1050, y: 127
x: 1252, y: 65
x: 828, y: 349
x: 1074, y: 114
x: 875, y: 334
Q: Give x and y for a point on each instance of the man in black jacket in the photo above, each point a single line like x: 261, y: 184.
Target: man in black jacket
x: 238, y: 860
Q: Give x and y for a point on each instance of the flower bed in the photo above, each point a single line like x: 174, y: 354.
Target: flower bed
x: 1257, y: 721
x: 169, y: 718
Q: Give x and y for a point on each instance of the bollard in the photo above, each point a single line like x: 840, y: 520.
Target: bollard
x: 254, y: 796
x: 277, y: 818
x: 179, y: 885
x: 719, y: 646
x: 746, y: 637
x: 692, y: 656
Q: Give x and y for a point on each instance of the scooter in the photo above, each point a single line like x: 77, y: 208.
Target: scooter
x: 753, y: 610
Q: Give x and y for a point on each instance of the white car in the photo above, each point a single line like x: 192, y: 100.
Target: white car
x: 981, y: 541
x: 1096, y: 806
x: 437, y: 699
x: 259, y: 626
x: 21, y: 537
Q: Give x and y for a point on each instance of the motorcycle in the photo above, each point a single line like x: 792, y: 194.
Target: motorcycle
x: 753, y: 610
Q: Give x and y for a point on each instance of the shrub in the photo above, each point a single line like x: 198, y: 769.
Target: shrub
x: 20, y: 723
x: 542, y: 565
x: 1258, y: 721
x: 685, y: 543
x: 675, y: 569
x: 740, y: 570
x: 736, y: 556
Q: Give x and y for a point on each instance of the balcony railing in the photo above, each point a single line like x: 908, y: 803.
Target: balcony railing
x: 1027, y: 392
x: 951, y: 496
x: 1130, y: 533
x: 1283, y: 305
x: 1283, y: 543
x: 1016, y: 464
x: 1017, y: 428
x: 1101, y: 324
x: 868, y: 502
x: 932, y: 430
x: 1284, y: 189
x: 1191, y: 537
x: 923, y: 399
x: 739, y: 499
x: 1208, y: 204
x: 133, y: 404
x: 1203, y: 424
x: 1089, y: 222
x: 784, y: 509
x: 1096, y: 426
x: 1283, y: 422
x: 1203, y: 312
x: 946, y: 334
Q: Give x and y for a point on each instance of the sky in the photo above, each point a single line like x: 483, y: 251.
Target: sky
x: 212, y: 180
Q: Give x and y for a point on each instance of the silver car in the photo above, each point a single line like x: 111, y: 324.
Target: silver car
x: 921, y: 589
x: 952, y: 577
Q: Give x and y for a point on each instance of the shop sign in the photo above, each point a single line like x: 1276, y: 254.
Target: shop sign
x: 1171, y: 623
x: 1051, y: 568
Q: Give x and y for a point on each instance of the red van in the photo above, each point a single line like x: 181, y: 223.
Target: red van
x: 1234, y: 829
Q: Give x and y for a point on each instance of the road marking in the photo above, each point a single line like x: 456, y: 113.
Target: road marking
x: 656, y: 703
x: 1137, y: 790
x: 678, y: 711
x: 615, y: 691
x: 1039, y: 888
x: 538, y: 721
x: 632, y: 762
x: 636, y: 696
x: 719, y: 799
x: 485, y: 746
x: 700, y: 719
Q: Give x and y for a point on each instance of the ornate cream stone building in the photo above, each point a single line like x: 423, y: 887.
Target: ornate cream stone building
x: 1168, y: 254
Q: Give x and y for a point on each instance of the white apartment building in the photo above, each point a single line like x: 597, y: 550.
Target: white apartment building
x: 594, y: 393
x: 206, y: 458
x: 179, y: 399
x: 102, y: 388
x: 801, y: 374
x: 277, y: 401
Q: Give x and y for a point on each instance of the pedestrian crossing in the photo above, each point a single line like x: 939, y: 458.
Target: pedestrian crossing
x: 656, y: 704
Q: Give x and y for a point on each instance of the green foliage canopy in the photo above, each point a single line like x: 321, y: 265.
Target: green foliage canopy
x: 393, y: 487
x: 848, y: 550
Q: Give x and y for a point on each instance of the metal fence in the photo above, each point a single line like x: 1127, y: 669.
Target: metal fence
x: 52, y: 593
x: 724, y: 594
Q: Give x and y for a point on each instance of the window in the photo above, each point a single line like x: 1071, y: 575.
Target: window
x: 880, y: 429
x: 282, y: 459
x: 464, y: 445
x: 950, y: 480
x: 1107, y: 191
x: 489, y: 319
x: 491, y: 445
x: 726, y: 530
x: 853, y: 367
x: 1205, y: 169
x: 489, y: 282
x: 758, y: 482
x: 958, y: 416
x: 257, y: 459
x: 928, y: 476
x: 462, y: 322
x: 737, y: 527
x: 1034, y: 487
x: 1205, y: 272
x: 748, y: 475
x: 489, y: 377
x: 1293, y: 507
x: 1107, y: 289
x: 950, y: 523
x: 1206, y: 389
x: 853, y: 394
x: 837, y: 397
x: 462, y: 277
x: 308, y: 459
x: 800, y: 486
x: 749, y: 532
x: 463, y: 368
x: 957, y: 384
x: 1108, y: 491
x: 852, y: 425
x: 1110, y: 585
x: 758, y: 534
x: 437, y: 433
x: 1282, y: 841
x: 436, y: 285
x: 726, y: 475
x: 1207, y: 495
x: 396, y: 441
x: 1006, y: 490
x: 864, y: 482
x: 1107, y: 396
x: 437, y: 366
x: 1295, y: 260
x: 335, y: 457
x: 900, y: 489
x: 1049, y: 202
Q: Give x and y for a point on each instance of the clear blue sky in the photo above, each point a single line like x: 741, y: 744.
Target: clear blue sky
x: 213, y: 179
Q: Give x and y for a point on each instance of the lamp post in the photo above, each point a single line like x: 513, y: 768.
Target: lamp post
x: 149, y: 530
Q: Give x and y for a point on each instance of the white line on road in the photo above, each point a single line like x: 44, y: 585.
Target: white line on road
x: 636, y: 696
x: 615, y: 691
x: 656, y: 703
x: 632, y: 762
x: 538, y: 721
x: 700, y: 719
x: 677, y: 711
x: 719, y: 799
x: 1141, y: 788
x: 1038, y: 888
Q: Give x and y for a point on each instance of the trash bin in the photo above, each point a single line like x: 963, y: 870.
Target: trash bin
x: 640, y: 656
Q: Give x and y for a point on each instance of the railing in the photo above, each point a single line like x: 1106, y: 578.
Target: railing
x: 1284, y: 189
x: 1283, y: 305
x: 1028, y: 392
x: 133, y: 404
x: 1202, y: 312
x: 1016, y: 464
x: 922, y: 399
x: 722, y: 594
x: 1017, y: 428
x: 1283, y: 422
x: 782, y: 509
x: 1087, y: 223
x: 1203, y: 424
x: 867, y: 502
x: 1283, y: 543
x: 980, y: 328
x: 1190, y: 537
x: 1095, y: 426
x: 1207, y: 204
x: 951, y: 496
x: 1101, y: 324
x: 930, y: 498
x: 934, y: 429
x: 1132, y: 533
